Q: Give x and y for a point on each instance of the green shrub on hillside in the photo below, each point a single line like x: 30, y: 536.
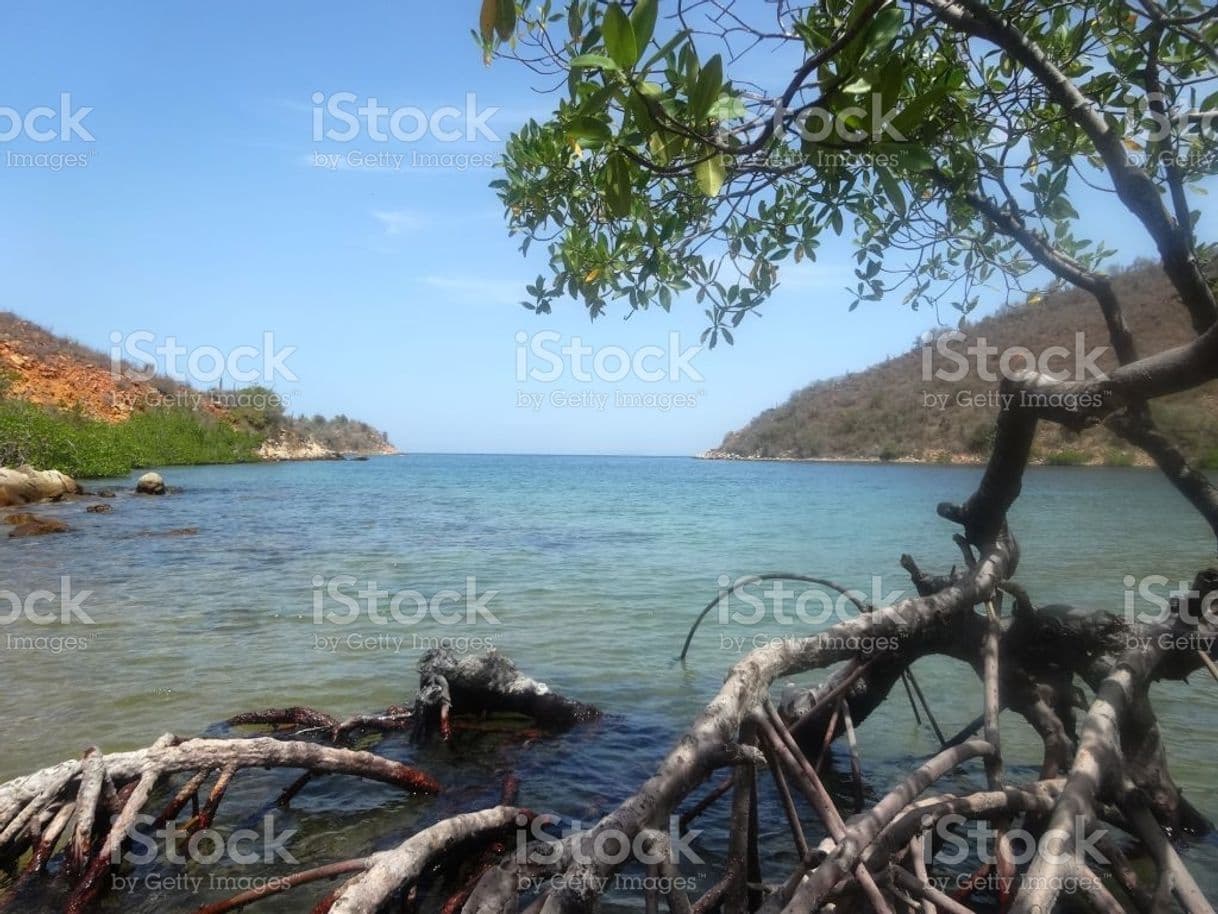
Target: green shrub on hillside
x: 84, y: 448
x: 258, y: 409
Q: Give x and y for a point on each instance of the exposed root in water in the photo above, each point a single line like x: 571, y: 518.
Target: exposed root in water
x: 86, y: 810
x: 455, y: 693
x: 103, y: 795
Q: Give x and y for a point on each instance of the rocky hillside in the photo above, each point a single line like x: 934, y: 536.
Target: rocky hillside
x: 47, y: 370
x: 344, y: 435
x: 901, y: 409
x: 71, y: 383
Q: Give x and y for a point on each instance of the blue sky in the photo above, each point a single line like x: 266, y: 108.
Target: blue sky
x: 199, y: 214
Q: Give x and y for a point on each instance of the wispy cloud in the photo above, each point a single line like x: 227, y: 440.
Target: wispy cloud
x: 478, y: 290
x: 397, y: 221
x: 815, y: 277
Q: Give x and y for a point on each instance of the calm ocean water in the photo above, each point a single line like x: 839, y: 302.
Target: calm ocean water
x: 589, y: 571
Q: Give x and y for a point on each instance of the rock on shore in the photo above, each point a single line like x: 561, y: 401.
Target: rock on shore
x: 26, y: 485
x: 293, y: 447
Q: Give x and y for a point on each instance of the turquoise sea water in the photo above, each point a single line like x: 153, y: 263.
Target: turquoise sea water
x: 589, y: 569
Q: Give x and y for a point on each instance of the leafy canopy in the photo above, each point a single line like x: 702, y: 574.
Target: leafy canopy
x: 926, y: 141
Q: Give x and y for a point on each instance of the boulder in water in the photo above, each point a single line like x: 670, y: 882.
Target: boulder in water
x: 150, y: 484
x: 38, y: 526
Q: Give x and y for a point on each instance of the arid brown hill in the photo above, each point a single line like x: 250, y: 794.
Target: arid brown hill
x: 59, y: 374
x: 897, y: 410
x: 48, y: 370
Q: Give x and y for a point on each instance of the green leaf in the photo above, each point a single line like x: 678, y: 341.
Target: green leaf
x: 668, y: 46
x: 812, y: 38
x: 884, y: 29
x: 710, y: 175
x: 592, y: 62
x: 487, y: 18
x: 892, y: 187
x: 707, y: 89
x: 588, y: 131
x: 888, y: 85
x: 658, y: 145
x: 639, y: 112
x: 860, y: 86
x: 643, y: 20
x: 619, y: 37
x: 618, y: 187
x: 505, y: 21
x: 911, y: 118
x: 913, y: 157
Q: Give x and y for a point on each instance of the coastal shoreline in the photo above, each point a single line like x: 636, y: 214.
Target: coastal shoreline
x: 951, y: 460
